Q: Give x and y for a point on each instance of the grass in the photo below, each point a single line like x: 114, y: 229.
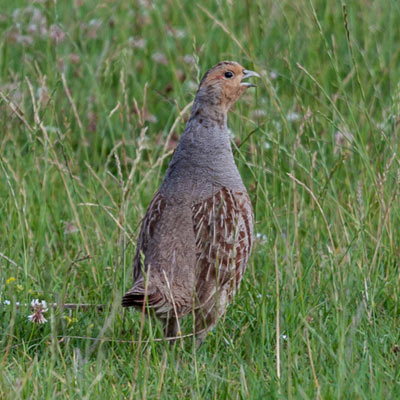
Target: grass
x: 91, y: 106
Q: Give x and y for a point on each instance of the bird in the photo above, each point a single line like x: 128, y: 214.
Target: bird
x: 196, y: 236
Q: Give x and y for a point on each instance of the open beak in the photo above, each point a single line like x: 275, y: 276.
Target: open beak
x: 248, y: 74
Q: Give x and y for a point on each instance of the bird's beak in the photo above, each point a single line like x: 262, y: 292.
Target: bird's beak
x: 248, y: 74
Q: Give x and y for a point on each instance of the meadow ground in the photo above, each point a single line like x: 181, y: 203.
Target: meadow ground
x: 93, y: 96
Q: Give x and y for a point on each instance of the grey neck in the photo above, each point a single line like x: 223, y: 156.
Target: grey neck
x: 204, y: 156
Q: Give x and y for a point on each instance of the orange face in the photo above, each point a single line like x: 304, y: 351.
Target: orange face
x: 227, y: 79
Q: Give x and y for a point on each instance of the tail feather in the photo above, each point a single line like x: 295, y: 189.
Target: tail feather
x: 136, y: 297
x: 132, y: 300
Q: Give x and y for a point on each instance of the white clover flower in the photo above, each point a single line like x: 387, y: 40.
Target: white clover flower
x: 277, y: 126
x: 137, y: 43
x: 159, y: 58
x: 273, y: 75
x: 151, y: 118
x: 189, y: 59
x: 70, y: 228
x: 259, y: 113
x: 6, y: 302
x: 343, y: 138
x: 261, y: 236
x: 39, y: 307
x: 56, y: 33
x: 191, y: 85
x: 180, y: 34
x: 293, y: 116
x: 24, y: 40
x: 32, y: 29
x: 381, y: 125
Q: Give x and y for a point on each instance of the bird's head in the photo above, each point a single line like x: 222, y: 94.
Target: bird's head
x: 223, y: 84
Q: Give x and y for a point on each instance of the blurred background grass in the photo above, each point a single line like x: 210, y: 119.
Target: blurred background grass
x: 93, y: 98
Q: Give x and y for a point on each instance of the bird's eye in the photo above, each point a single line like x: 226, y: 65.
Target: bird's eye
x: 228, y: 74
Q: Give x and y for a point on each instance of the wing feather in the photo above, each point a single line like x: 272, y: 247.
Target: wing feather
x: 223, y: 227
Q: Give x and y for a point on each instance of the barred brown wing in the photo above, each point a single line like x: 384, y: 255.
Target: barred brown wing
x: 223, y: 227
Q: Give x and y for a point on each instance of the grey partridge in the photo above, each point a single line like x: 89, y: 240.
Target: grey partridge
x: 196, y: 237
